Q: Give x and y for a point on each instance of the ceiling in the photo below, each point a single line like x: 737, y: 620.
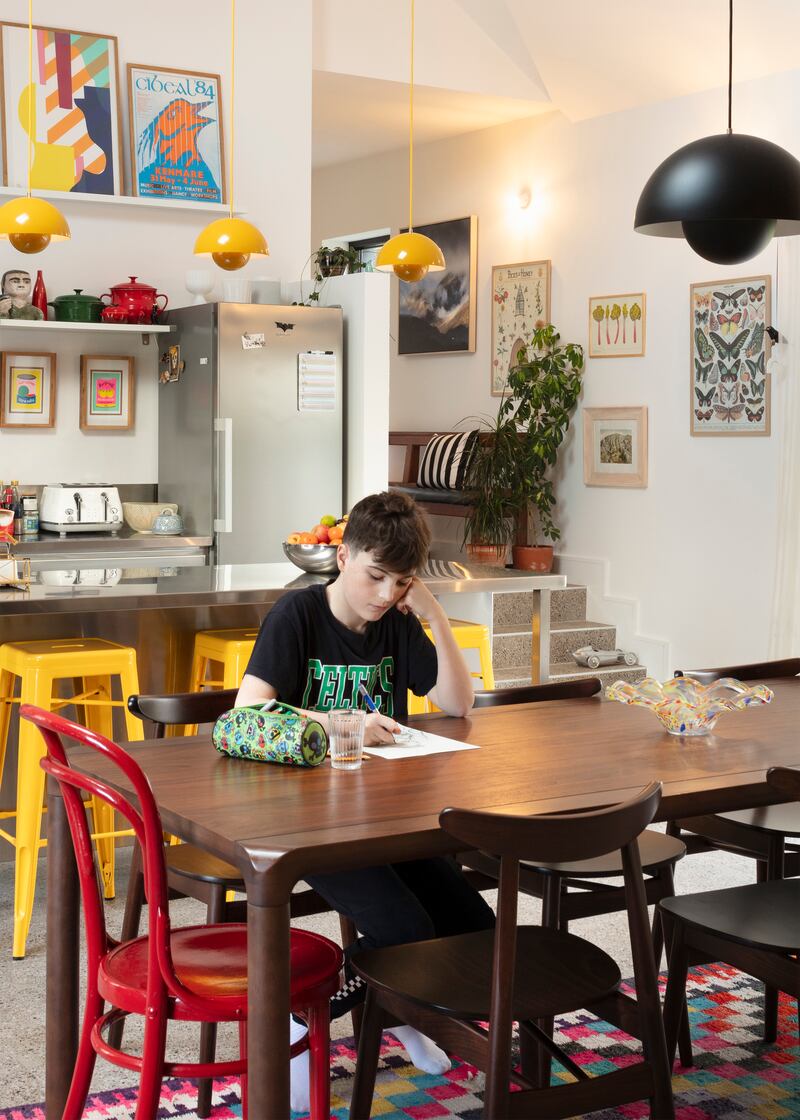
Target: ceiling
x: 485, y: 62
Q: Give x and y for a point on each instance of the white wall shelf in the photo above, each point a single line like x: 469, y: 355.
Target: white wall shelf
x: 60, y: 197
x: 104, y: 328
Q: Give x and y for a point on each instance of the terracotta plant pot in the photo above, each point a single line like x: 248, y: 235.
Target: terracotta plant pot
x: 487, y: 554
x: 533, y: 558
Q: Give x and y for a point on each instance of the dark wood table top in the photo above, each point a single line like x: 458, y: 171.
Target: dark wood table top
x: 534, y: 758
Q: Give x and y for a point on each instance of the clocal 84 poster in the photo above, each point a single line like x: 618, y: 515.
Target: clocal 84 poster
x: 176, y: 134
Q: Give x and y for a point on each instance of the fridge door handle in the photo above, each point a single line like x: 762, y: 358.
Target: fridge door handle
x: 224, y: 524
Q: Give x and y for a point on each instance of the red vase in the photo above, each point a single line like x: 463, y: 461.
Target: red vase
x: 39, y: 297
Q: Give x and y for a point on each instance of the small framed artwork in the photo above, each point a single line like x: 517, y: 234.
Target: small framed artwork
x: 107, y: 393
x: 28, y: 390
x: 177, y: 148
x: 520, y: 304
x: 437, y: 314
x: 615, y: 446
x: 617, y: 325
x: 729, y: 347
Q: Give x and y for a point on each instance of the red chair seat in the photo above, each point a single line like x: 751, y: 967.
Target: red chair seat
x: 211, y: 961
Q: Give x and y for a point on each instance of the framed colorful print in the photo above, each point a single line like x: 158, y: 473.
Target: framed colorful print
x: 520, y: 303
x: 617, y: 325
x: 28, y: 390
x: 177, y: 148
x: 615, y: 446
x: 437, y: 314
x: 76, y: 119
x: 107, y: 393
x: 729, y: 387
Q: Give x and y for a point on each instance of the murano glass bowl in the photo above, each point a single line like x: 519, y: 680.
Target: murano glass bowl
x: 686, y: 707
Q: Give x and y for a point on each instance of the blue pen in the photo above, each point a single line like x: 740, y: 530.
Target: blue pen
x: 371, y: 706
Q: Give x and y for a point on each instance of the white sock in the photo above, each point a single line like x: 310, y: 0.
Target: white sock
x: 299, y: 1070
x: 423, y: 1051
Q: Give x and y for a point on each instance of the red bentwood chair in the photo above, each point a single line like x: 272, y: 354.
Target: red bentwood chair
x: 194, y: 973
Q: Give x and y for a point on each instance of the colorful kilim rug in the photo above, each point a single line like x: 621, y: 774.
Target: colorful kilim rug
x: 736, y: 1077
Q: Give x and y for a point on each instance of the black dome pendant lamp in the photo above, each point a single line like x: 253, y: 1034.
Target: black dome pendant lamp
x: 727, y: 195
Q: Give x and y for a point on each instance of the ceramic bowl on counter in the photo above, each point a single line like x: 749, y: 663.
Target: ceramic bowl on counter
x: 319, y: 559
x: 140, y: 516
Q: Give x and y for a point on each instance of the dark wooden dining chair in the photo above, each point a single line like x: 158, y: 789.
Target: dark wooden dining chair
x: 191, y: 872
x: 759, y: 834
x: 534, y: 693
x: 755, y: 928
x: 190, y: 973
x: 448, y: 987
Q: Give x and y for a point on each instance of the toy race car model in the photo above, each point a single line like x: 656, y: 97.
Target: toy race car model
x: 594, y: 658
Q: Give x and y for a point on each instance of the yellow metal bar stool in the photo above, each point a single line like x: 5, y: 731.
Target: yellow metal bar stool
x: 468, y: 636
x: 37, y: 666
x: 223, y: 653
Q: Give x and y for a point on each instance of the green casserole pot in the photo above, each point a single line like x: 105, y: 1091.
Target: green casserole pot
x: 77, y: 308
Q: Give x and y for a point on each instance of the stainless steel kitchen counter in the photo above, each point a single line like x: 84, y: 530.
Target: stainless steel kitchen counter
x: 126, y: 541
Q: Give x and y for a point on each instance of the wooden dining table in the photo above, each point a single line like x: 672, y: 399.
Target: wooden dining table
x: 279, y: 824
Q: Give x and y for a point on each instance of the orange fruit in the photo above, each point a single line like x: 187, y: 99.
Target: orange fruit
x: 293, y: 538
x: 307, y: 538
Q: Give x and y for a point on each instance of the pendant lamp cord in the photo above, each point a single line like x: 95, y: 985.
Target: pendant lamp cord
x: 233, y: 91
x: 730, y: 64
x: 411, y: 132
x: 30, y: 91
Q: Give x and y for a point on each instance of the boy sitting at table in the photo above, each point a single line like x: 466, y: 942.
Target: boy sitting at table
x: 315, y: 648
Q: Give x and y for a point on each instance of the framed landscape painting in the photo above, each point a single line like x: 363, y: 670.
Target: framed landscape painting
x: 27, y: 390
x: 615, y: 446
x: 520, y: 304
x: 107, y: 393
x: 437, y: 314
x: 729, y: 347
x: 76, y: 111
x: 177, y: 148
x: 617, y: 325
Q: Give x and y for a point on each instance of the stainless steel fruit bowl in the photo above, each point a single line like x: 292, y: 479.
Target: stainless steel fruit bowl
x: 319, y: 559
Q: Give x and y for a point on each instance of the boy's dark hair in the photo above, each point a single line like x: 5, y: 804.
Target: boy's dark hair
x: 393, y: 527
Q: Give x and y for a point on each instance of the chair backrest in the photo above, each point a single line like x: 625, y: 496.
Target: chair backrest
x: 785, y: 780
x: 145, y: 820
x: 533, y: 693
x: 758, y: 670
x: 182, y: 707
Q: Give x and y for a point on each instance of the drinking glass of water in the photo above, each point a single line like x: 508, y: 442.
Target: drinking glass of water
x: 346, y: 738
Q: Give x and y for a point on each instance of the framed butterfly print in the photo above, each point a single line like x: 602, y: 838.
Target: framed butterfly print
x: 729, y: 349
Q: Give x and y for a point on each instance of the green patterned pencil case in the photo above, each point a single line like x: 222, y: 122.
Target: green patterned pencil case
x: 277, y: 734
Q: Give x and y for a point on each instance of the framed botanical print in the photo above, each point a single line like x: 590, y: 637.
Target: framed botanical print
x: 76, y: 114
x: 615, y: 446
x: 28, y: 390
x: 520, y: 304
x: 729, y: 347
x: 177, y: 148
x: 437, y: 314
x: 617, y: 325
x: 107, y: 393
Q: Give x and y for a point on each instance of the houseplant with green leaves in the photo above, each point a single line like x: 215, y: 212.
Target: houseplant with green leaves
x: 511, y: 465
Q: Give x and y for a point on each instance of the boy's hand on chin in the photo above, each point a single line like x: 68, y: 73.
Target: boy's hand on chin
x: 417, y: 600
x: 379, y: 729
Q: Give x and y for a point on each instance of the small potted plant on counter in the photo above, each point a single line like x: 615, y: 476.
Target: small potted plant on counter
x: 510, y: 466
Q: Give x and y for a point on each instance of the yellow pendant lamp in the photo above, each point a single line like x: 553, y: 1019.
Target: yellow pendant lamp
x: 30, y: 224
x: 410, y: 255
x: 231, y: 241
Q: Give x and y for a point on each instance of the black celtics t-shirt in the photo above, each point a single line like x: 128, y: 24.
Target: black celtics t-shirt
x: 315, y: 662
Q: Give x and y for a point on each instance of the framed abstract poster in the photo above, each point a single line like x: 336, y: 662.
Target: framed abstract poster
x: 107, y: 393
x: 520, y: 304
x: 615, y: 446
x: 76, y: 117
x: 27, y: 390
x: 177, y: 148
x: 437, y: 314
x: 617, y: 325
x: 729, y: 349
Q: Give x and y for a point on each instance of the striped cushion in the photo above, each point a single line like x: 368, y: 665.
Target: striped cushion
x: 444, y: 462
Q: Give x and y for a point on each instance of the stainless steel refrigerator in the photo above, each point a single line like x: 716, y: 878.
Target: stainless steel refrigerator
x: 250, y: 423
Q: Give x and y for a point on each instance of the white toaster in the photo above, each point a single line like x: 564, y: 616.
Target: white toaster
x: 73, y: 508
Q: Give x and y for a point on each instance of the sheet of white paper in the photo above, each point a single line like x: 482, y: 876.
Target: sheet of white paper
x: 412, y: 743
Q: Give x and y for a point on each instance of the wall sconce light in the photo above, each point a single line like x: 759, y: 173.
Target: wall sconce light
x: 524, y: 198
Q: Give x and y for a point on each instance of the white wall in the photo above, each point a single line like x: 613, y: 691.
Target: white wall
x: 272, y: 186
x: 694, y: 552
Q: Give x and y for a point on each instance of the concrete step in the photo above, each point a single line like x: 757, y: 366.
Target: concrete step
x: 511, y: 643
x: 515, y: 675
x: 510, y: 607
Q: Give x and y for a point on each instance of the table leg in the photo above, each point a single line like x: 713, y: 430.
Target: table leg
x: 540, y: 637
x: 63, y: 946
x: 268, y: 986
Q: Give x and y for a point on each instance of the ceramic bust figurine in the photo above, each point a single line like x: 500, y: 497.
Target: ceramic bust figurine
x: 15, y: 300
